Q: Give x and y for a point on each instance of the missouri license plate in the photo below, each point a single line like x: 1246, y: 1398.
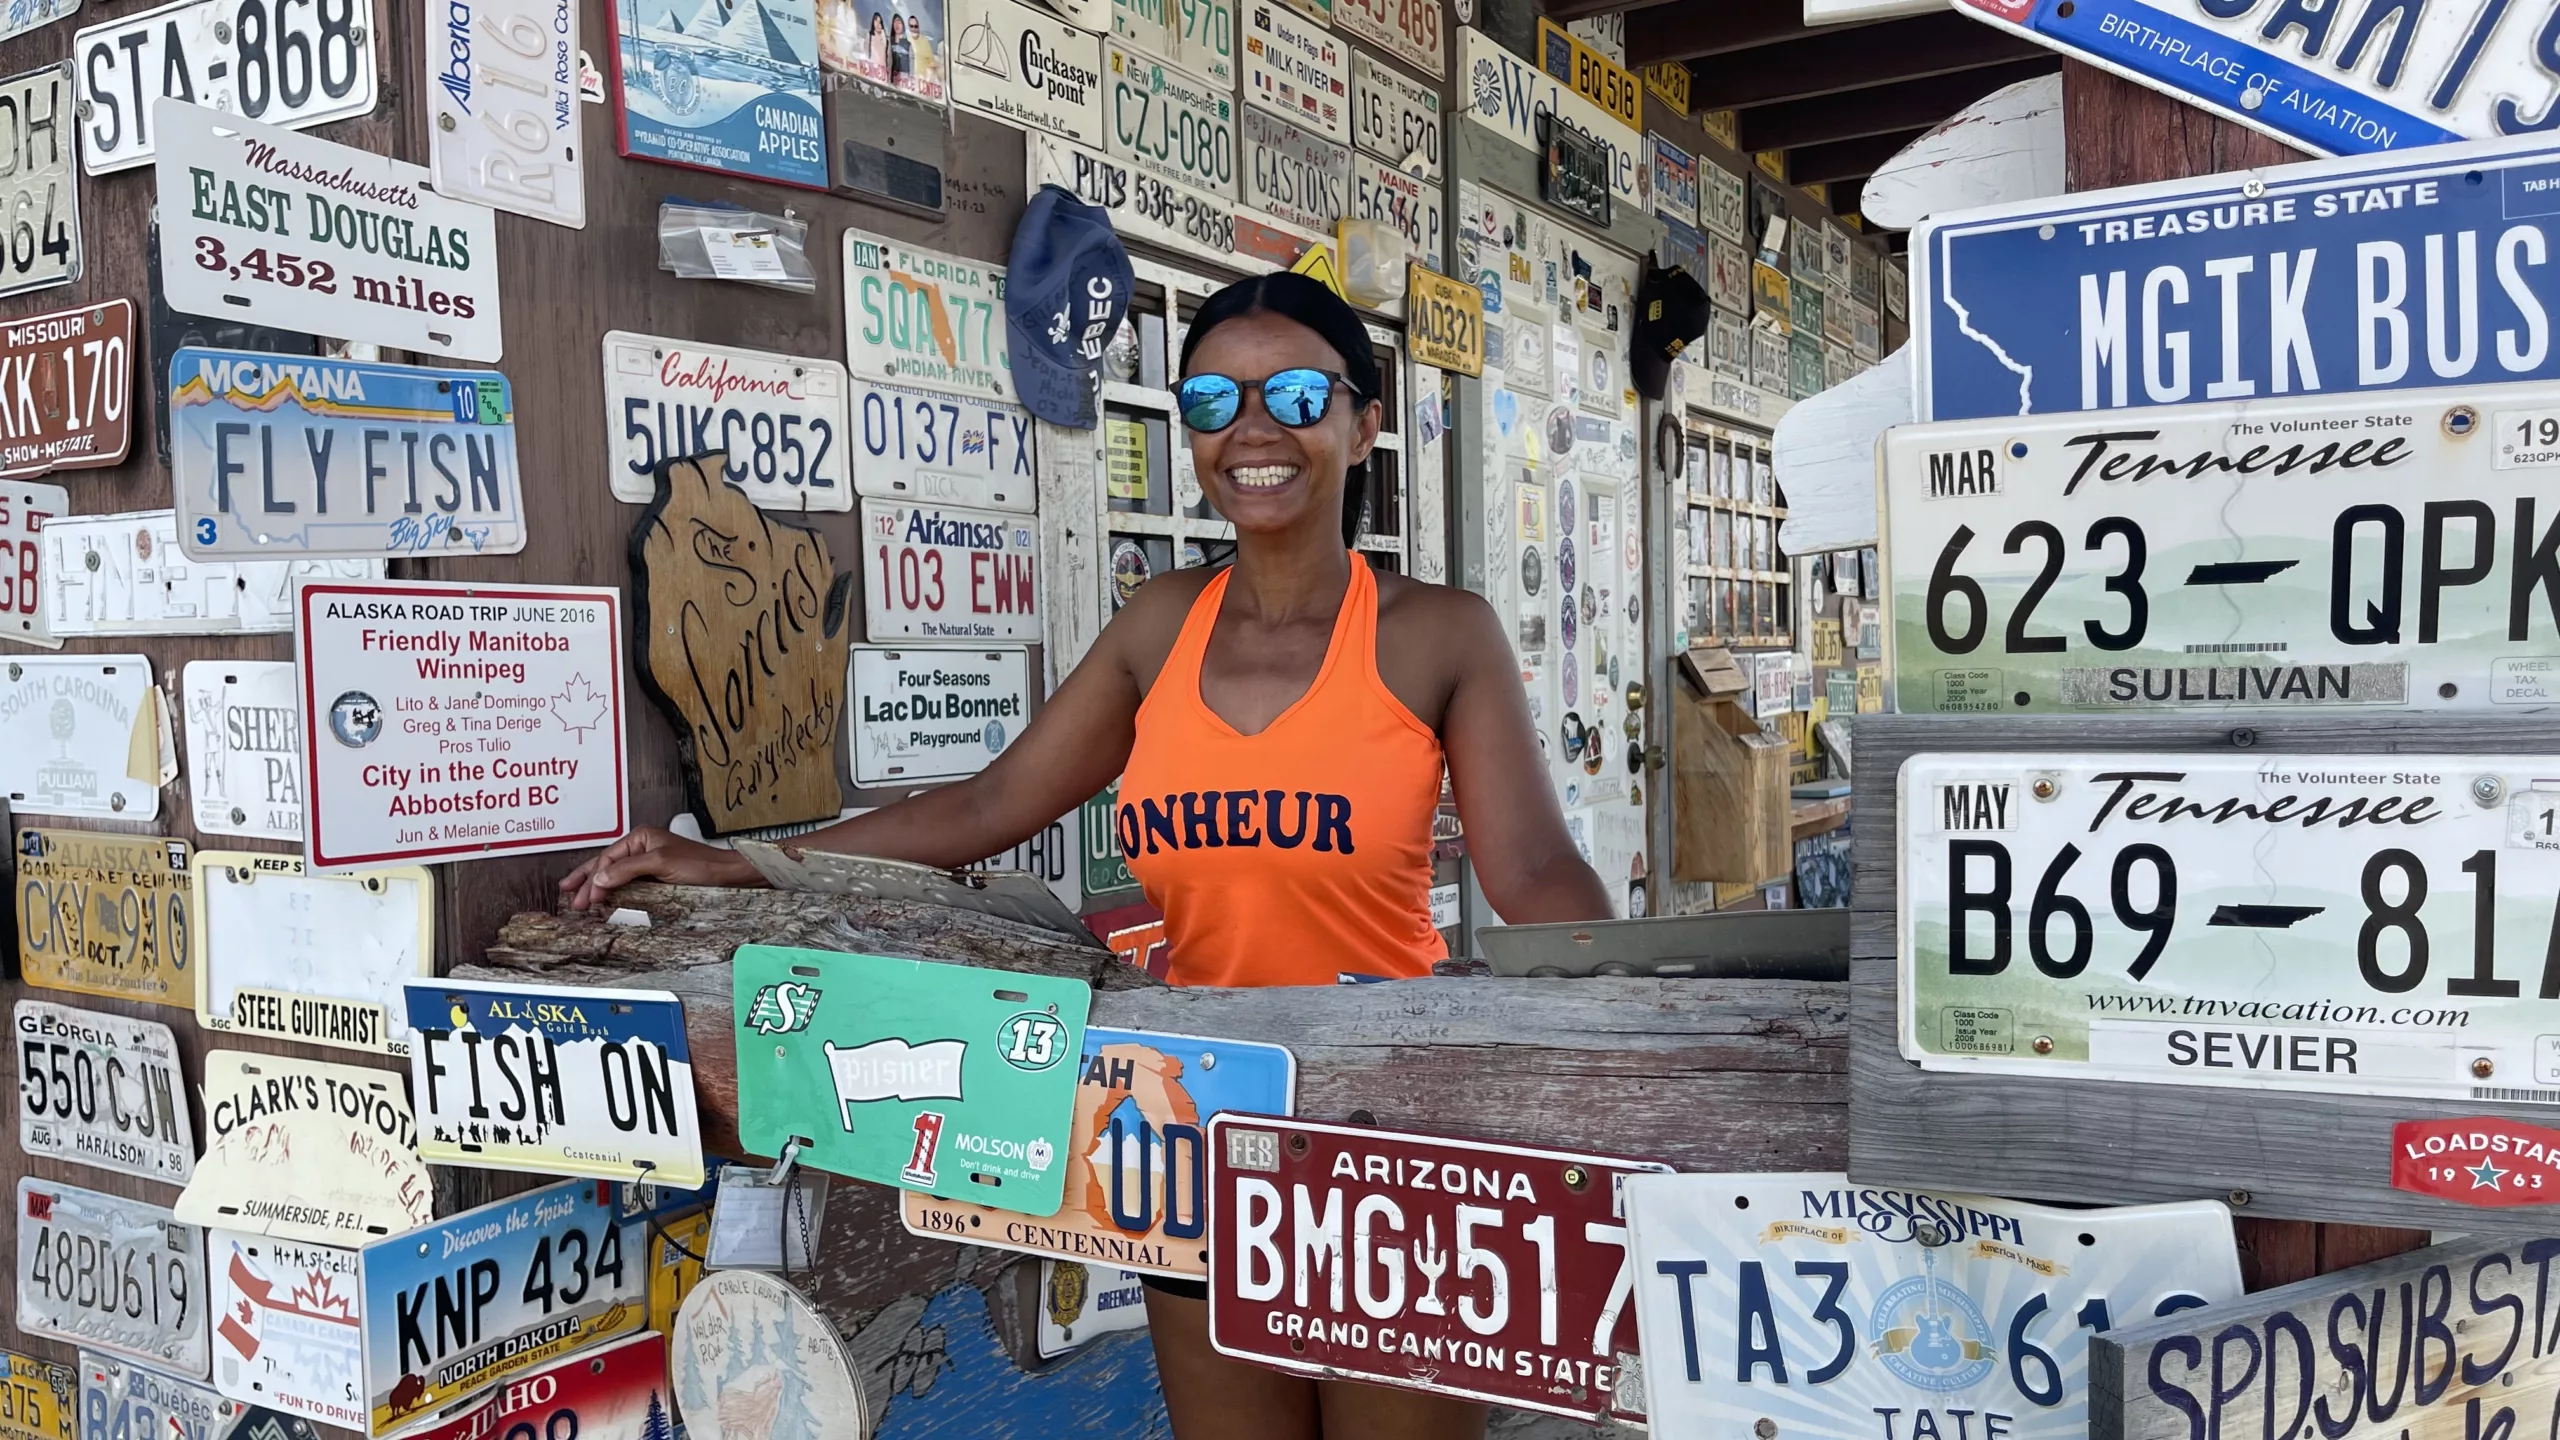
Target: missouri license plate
x: 66, y: 389
x: 2354, y: 924
x: 104, y: 914
x: 103, y: 1090
x: 1489, y: 1272
x: 107, y: 1271
x: 2375, y: 551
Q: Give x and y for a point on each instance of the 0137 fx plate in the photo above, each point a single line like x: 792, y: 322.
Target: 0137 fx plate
x: 2293, y: 921
x: 920, y: 446
x: 73, y: 1242
x: 2267, y: 554
x: 1820, y: 1306
x: 104, y: 914
x: 317, y: 958
x: 103, y: 1090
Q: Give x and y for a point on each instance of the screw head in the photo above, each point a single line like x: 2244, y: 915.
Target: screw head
x: 445, y: 123
x: 2043, y: 1044
x: 2244, y: 737
x: 2044, y: 789
x: 2239, y: 1197
x: 222, y: 32
x: 1576, y: 1178
x: 2488, y: 790
x: 2461, y: 420
x: 2482, y: 1067
x: 1765, y: 1428
x: 1928, y: 1234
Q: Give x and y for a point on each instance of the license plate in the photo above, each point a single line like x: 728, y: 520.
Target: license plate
x: 290, y: 955
x: 2351, y: 924
x: 290, y: 1337
x: 503, y: 94
x: 24, y: 509
x: 199, y: 50
x: 103, y: 1090
x: 1811, y: 1305
x: 1141, y: 206
x: 1138, y: 1163
x: 1299, y: 178
x: 2258, y: 555
x: 943, y: 449
x: 40, y: 1398
x: 66, y: 389
x: 1027, y: 67
x: 1490, y: 1272
x: 557, y: 1081
x: 1294, y: 68
x: 104, y: 914
x: 613, y: 1392
x: 950, y: 574
x: 1392, y: 117
x: 1383, y: 192
x: 921, y: 317
x: 941, y: 1078
x: 1204, y: 40
x: 244, y: 751
x: 779, y: 418
x: 264, y: 1112
x: 122, y: 1400
x: 38, y: 199
x: 934, y: 714
x: 1169, y: 123
x: 111, y: 575
x: 107, y: 1271
x: 465, y: 1302
x: 1410, y: 30
x: 423, y: 460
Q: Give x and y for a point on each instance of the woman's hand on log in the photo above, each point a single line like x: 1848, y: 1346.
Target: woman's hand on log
x: 650, y: 853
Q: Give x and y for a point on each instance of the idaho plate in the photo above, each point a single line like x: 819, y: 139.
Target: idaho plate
x: 317, y: 958
x: 1137, y: 1161
x: 1488, y: 1272
x: 612, y: 1392
x: 1804, y: 1302
x: 104, y: 1090
x: 557, y: 1080
x: 39, y: 1398
x: 104, y: 914
x: 950, y: 1079
x: 107, y: 1271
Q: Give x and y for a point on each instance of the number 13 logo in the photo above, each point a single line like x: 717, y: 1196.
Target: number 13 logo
x: 1033, y: 1040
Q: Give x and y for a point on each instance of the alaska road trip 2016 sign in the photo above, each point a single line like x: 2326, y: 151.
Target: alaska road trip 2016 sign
x: 2383, y: 551
x: 2389, y: 272
x: 744, y: 614
x: 949, y: 1079
x: 443, y: 720
x: 2452, y: 1340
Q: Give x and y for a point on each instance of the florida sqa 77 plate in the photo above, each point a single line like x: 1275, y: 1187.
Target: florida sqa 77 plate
x: 1836, y: 1312
x: 2350, y: 924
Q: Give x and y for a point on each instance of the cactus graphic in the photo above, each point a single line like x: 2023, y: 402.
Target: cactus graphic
x: 1433, y: 1262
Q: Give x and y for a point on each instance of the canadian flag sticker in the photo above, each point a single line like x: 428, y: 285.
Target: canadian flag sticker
x: 2483, y: 1161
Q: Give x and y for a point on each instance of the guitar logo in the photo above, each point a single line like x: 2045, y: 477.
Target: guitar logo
x: 1929, y: 1332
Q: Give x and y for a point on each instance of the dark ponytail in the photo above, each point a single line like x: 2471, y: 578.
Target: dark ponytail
x: 1312, y: 304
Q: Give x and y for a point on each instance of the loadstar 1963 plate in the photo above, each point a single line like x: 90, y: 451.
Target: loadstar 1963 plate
x: 104, y: 914
x: 288, y: 954
x: 1137, y: 1180
x: 922, y: 446
x: 275, y: 457
x: 1490, y: 1272
x: 102, y: 1090
x: 779, y: 418
x: 1170, y: 123
x: 950, y: 574
x: 199, y: 50
x: 2382, y: 550
x: 2351, y: 924
x: 1821, y: 1306
x: 111, y: 1272
x: 468, y: 1301
x: 39, y: 1401
x: 573, y: 1080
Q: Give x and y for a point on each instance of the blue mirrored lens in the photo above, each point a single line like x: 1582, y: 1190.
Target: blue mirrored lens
x: 1297, y: 398
x: 1209, y: 402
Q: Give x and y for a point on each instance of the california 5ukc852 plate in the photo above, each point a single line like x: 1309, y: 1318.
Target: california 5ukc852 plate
x: 74, y: 1244
x: 779, y: 418
x: 103, y: 1090
x: 1804, y: 1302
x: 2344, y: 923
x: 1489, y: 1272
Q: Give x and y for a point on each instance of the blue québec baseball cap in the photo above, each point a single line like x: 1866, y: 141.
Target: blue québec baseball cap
x: 1066, y: 290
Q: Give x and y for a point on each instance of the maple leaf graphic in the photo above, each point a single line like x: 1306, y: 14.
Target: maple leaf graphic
x: 579, y: 707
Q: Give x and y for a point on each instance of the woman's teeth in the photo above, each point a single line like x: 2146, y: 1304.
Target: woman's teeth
x: 1261, y: 477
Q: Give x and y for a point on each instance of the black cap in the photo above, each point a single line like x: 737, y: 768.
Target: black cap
x: 1671, y: 316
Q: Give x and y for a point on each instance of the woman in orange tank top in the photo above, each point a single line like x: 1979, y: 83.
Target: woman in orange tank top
x: 1278, y: 728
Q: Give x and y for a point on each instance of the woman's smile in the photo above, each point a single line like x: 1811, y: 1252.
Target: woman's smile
x: 1260, y: 479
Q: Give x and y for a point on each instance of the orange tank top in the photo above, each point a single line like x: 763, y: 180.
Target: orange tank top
x: 1299, y: 854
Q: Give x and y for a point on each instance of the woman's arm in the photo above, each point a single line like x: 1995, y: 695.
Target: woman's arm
x: 1516, y: 838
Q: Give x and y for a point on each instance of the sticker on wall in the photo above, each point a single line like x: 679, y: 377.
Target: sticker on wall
x: 752, y: 1359
x: 779, y: 418
x: 1027, y: 67
x: 927, y: 714
x: 950, y: 574
x: 744, y: 617
x: 432, y: 289
x: 921, y: 317
x: 69, y: 1239
x: 196, y: 50
x: 1081, y: 1303
x: 731, y: 88
x: 290, y: 955
x: 81, y: 735
x: 1298, y: 71
x: 566, y: 1080
x: 306, y: 1150
x: 102, y: 1090
x: 503, y: 107
x: 244, y: 748
x: 290, y: 1338
x: 114, y: 575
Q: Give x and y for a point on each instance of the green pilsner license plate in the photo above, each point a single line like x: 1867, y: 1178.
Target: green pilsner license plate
x: 947, y: 1079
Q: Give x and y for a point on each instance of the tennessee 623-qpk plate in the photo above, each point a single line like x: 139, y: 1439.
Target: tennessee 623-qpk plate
x: 2342, y: 923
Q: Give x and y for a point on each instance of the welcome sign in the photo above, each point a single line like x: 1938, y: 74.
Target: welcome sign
x: 1510, y: 94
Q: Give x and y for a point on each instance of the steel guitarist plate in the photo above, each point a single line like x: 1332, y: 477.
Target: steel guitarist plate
x: 287, y: 954
x: 74, y: 1244
x: 198, y: 50
x: 1510, y: 1273
x: 1137, y: 1162
x: 103, y: 1090
x: 2264, y: 554
x: 104, y: 914
x: 1807, y: 1302
x: 941, y: 449
x: 779, y: 418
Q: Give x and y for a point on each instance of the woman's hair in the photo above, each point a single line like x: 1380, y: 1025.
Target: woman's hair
x: 1311, y: 303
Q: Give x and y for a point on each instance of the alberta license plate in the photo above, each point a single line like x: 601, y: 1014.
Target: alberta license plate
x: 2374, y: 550
x: 2355, y: 924
x: 1489, y: 1272
x: 1830, y: 1311
x: 107, y: 1271
x: 102, y: 1090
x: 929, y: 447
x: 104, y: 914
x: 280, y: 63
x: 513, y: 144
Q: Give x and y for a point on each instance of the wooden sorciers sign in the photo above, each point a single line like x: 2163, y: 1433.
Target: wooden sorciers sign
x: 741, y: 615
x: 2452, y: 1340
